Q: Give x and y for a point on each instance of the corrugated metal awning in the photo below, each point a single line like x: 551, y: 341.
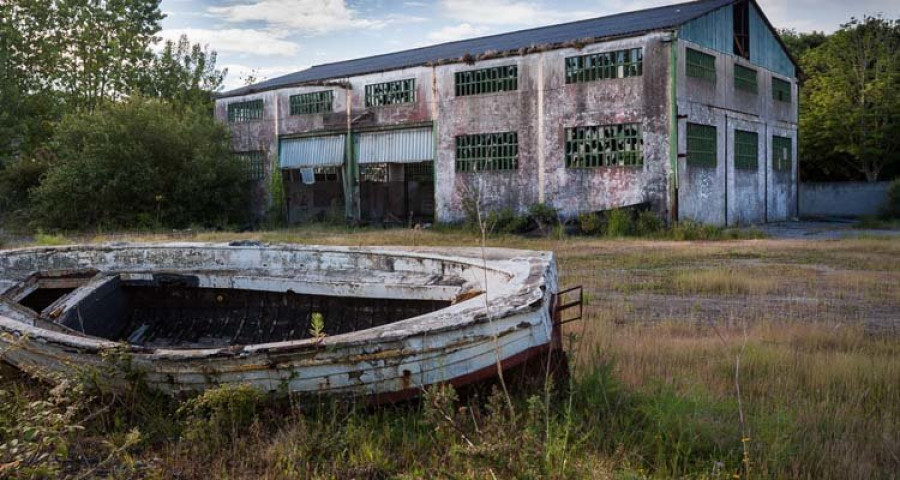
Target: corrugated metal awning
x: 396, y: 146
x: 312, y: 152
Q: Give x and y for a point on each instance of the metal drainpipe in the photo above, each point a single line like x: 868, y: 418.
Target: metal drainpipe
x: 434, y: 139
x: 673, y: 127
x: 351, y: 182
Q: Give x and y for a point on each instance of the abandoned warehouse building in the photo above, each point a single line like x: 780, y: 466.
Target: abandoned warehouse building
x: 689, y: 110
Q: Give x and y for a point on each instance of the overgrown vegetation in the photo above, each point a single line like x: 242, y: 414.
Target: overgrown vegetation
x: 175, y: 170
x: 652, y: 392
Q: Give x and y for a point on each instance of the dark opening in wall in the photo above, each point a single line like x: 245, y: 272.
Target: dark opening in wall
x: 742, y: 28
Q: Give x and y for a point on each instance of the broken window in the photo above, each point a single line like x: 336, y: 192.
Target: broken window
x: 782, y: 153
x: 604, y: 146
x: 746, y: 150
x: 700, y: 65
x: 374, y: 172
x: 326, y: 174
x: 781, y: 90
x: 745, y: 79
x: 487, y: 151
x: 254, y: 164
x: 597, y: 66
x: 741, y: 15
x: 487, y: 80
x: 702, y: 150
x: 239, y: 112
x: 309, y: 103
x: 391, y: 93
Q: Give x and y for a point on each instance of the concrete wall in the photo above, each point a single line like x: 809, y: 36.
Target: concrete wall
x: 726, y: 195
x: 843, y: 199
x: 540, y: 111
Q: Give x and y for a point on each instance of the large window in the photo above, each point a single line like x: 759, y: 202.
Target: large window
x: 781, y: 90
x: 598, y: 66
x: 700, y: 65
x: 487, y: 151
x: 391, y: 93
x: 239, y: 112
x: 782, y: 153
x: 254, y: 163
x: 487, y: 80
x: 315, y: 102
x: 701, y: 146
x: 746, y: 150
x: 745, y: 79
x: 604, y: 146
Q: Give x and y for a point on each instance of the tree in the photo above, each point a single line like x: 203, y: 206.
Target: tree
x: 798, y: 43
x: 850, y: 117
x: 183, y: 73
x: 141, y: 162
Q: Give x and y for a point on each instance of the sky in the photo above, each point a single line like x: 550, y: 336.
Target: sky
x: 268, y: 38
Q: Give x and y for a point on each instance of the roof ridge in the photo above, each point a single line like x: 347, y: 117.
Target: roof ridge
x: 531, y: 29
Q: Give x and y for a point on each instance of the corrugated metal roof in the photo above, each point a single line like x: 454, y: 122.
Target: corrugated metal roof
x: 623, y: 24
x: 396, y: 146
x: 312, y: 152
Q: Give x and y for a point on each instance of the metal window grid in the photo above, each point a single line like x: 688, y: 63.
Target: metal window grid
x: 374, y: 172
x: 310, y: 103
x: 487, y: 80
x: 604, y: 146
x: 608, y: 65
x: 326, y: 174
x: 746, y: 150
x: 702, y: 148
x: 420, y: 171
x: 239, y: 112
x: 254, y: 164
x: 700, y: 65
x: 391, y: 93
x: 782, y: 153
x: 745, y: 79
x: 487, y: 151
x: 781, y: 90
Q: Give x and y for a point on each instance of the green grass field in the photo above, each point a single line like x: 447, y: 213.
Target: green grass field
x: 807, y: 332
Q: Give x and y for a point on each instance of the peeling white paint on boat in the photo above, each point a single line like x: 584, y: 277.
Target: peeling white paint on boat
x: 447, y: 345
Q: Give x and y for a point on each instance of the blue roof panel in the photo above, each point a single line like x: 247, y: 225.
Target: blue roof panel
x: 623, y: 24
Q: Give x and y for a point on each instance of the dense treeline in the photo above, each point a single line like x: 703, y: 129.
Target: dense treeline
x: 103, y: 126
x: 850, y: 100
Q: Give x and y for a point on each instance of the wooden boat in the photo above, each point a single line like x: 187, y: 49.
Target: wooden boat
x: 384, y: 322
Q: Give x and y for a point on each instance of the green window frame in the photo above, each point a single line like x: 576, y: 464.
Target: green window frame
x: 604, y: 66
x: 745, y: 79
x: 700, y: 65
x: 782, y: 153
x: 311, y: 103
x: 397, y: 92
x: 605, y: 146
x: 254, y: 163
x: 240, y: 112
x: 487, y: 80
x: 746, y: 150
x: 781, y: 90
x: 487, y: 152
x: 702, y: 146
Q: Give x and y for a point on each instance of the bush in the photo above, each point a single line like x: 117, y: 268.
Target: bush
x: 690, y: 230
x: 17, y: 179
x: 506, y: 220
x: 141, y: 163
x: 218, y: 415
x: 619, y: 223
x: 544, y: 216
x: 892, y: 209
x: 648, y: 223
x: 590, y: 223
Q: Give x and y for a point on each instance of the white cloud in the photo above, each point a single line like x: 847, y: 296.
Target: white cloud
x: 238, y: 73
x: 238, y: 40
x: 312, y: 17
x: 456, y: 32
x: 508, y: 12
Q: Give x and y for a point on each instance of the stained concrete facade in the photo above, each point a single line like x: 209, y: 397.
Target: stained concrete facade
x: 540, y: 110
